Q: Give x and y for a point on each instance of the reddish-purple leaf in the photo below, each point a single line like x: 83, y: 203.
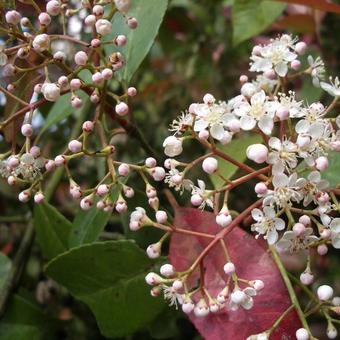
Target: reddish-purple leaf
x: 252, y: 262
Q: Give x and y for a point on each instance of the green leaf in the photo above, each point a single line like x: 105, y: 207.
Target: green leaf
x: 87, y: 226
x: 139, y: 41
x: 5, y: 267
x: 61, y: 109
x: 332, y: 173
x: 109, y: 278
x: 252, y: 17
x: 19, y: 332
x: 237, y: 150
x: 52, y: 230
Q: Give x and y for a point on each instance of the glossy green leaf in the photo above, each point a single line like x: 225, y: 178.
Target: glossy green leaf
x: 252, y: 17
x: 139, y: 41
x: 19, y: 332
x: 237, y: 150
x: 5, y: 267
x: 52, y: 230
x: 109, y: 278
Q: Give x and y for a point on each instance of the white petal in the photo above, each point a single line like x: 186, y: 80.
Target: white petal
x: 302, y: 126
x: 217, y: 131
x: 272, y: 237
x: 280, y: 180
x: 200, y: 125
x: 314, y: 176
x: 258, y: 98
x: 279, y: 223
x: 275, y: 143
x: 257, y: 215
x: 281, y: 69
x: 335, y: 225
x: 247, y: 123
x: 266, y: 124
x: 269, y: 212
x: 336, y: 241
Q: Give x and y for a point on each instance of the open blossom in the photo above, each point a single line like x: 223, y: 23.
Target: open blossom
x: 333, y: 87
x: 274, y: 56
x: 284, y: 152
x: 202, y: 195
x: 259, y: 111
x: 333, y: 224
x: 181, y: 123
x: 317, y: 67
x: 212, y: 117
x: 290, y: 242
x: 267, y: 224
x: 243, y: 298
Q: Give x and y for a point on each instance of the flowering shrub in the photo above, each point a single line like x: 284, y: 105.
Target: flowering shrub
x: 215, y: 269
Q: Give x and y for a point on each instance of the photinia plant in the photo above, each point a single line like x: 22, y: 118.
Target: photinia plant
x: 227, y: 268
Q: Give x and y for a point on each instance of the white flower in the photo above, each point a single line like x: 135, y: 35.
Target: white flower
x: 242, y: 298
x: 181, y: 123
x: 317, y: 67
x: 171, y: 295
x: 283, y: 152
x: 285, y: 191
x: 172, y: 146
x: 334, y: 225
x: 176, y: 180
x: 311, y: 186
x: 276, y: 55
x: 258, y: 111
x: 267, y: 224
x: 290, y: 103
x: 333, y: 88
x: 212, y: 117
x: 290, y: 242
x: 29, y: 168
x: 50, y: 91
x: 203, y: 193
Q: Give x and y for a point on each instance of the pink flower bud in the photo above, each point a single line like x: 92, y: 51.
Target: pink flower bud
x: 154, y: 250
x: 299, y: 229
x: 210, y: 165
x: 282, y: 113
x: 128, y: 192
x: 75, y: 146
x: 120, y: 40
x: 248, y: 89
x: 302, y: 334
x: 24, y: 196
x: 10, y: 87
x: 49, y: 165
x: 81, y: 58
x: 100, y: 205
x: 103, y: 27
x: 11, y: 180
x: 12, y: 17
x: 44, y: 19
x: 203, y: 134
x: 150, y: 162
x: 107, y: 73
x: 13, y: 162
x: 60, y: 160
x: 35, y: 151
x: 229, y: 268
x: 325, y: 292
x: 102, y: 190
x: 90, y: 20
x: 322, y: 197
x: 270, y: 74
x: 157, y: 173
x: 39, y: 197
x: 25, y: 22
x: 321, y: 163
x: 154, y: 203
x: 223, y: 218
x: 97, y: 78
x: 75, y: 191
x: 134, y: 225
x: 50, y: 91
x: 88, y: 126
x: 256, y: 50
x: 27, y: 130
x: 95, y: 97
x: 322, y: 249
x: 122, y: 109
x: 53, y: 7
x: 123, y: 169
x: 63, y: 81
x: 87, y: 202
x: 325, y: 234
x: 257, y: 153
x: 155, y: 291
x: 301, y: 47
x: 201, y: 309
x: 123, y: 5
x: 209, y: 99
x: 295, y: 64
x: 121, y: 207
x: 153, y: 279
x: 243, y: 79
x: 257, y: 285
x: 177, y: 285
x: 167, y: 270
x: 306, y: 278
x: 95, y: 43
x: 41, y: 42
x: 188, y: 306
x: 196, y: 200
x: 305, y: 220
x: 132, y: 22
x: 76, y: 102
x: 131, y: 91
x: 234, y: 125
x: 161, y: 216
x: 75, y: 84
x: 98, y: 10
x: 177, y: 179
x: 261, y: 189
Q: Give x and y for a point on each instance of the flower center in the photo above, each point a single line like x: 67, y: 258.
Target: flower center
x: 257, y: 111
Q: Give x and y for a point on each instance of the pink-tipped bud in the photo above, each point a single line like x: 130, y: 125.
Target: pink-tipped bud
x: 24, y: 196
x: 107, y: 73
x: 122, y: 109
x: 75, y: 84
x: 121, y: 206
x: 177, y: 285
x: 282, y: 113
x: 44, y: 19
x: 325, y: 292
x: 102, y: 190
x: 295, y: 64
x: 39, y: 197
x: 62, y: 81
x: 50, y: 165
x: 157, y: 173
x: 60, y: 160
x: 90, y: 20
x: 161, y: 216
x: 120, y: 40
x: 153, y: 279
x: 95, y: 43
x: 27, y: 130
x: 13, y: 162
x: 299, y: 229
x: 132, y: 23
x: 167, y: 270
x: 128, y: 191
x: 203, y: 134
x: 53, y: 7
x: 196, y: 200
x: 98, y: 10
x: 243, y: 79
x: 154, y: 250
x: 11, y: 180
x: 322, y: 249
x: 97, y: 78
x: 150, y: 162
x: 88, y: 126
x: 75, y: 146
x: 261, y: 189
x: 81, y: 58
x: 321, y: 163
x: 123, y: 169
x: 35, y: 151
x: 301, y: 47
x: 210, y: 165
x: 76, y: 102
x: 305, y: 220
x: 103, y: 27
x: 325, y: 234
x: 188, y: 306
x: 131, y: 91
x: 12, y: 17
x: 257, y: 284
x: 209, y: 99
x: 306, y: 278
x: 270, y: 74
x: 87, y: 202
x: 229, y: 268
x: 257, y: 153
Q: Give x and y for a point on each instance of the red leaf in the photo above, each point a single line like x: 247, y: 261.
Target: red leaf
x: 322, y: 5
x: 252, y: 262
x: 300, y: 23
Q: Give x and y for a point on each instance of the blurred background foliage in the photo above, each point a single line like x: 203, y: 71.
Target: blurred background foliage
x: 202, y: 46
